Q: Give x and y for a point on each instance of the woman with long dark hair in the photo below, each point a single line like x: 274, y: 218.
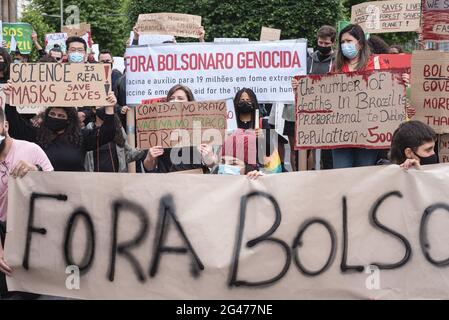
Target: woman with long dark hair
x: 60, y: 134
x: 354, y: 54
x: 5, y: 63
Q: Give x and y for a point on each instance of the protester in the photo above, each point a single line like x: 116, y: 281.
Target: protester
x: 17, y: 158
x: 238, y: 155
x: 19, y: 57
x: 377, y: 45
x: 5, y: 63
x: 319, y: 62
x: 162, y: 160
x: 413, y: 145
x: 60, y: 134
x: 113, y: 156
x: 105, y: 56
x: 396, y: 49
x: 354, y: 54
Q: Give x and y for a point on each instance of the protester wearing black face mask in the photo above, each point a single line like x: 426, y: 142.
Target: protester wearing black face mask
x: 319, y: 62
x: 60, y: 134
x: 413, y: 145
x: 5, y: 62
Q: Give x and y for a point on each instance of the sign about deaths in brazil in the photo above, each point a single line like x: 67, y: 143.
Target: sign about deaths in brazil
x: 360, y: 109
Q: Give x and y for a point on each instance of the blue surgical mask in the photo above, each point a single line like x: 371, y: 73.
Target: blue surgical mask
x: 76, y: 57
x: 227, y: 169
x: 349, y: 50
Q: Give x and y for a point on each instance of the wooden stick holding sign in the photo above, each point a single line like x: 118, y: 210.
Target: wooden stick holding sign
x: 60, y: 85
x: 181, y: 124
x: 359, y: 109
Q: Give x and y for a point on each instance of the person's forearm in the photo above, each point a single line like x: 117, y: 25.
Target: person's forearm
x: 149, y: 164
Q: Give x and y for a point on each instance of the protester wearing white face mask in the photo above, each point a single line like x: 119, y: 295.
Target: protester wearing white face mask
x: 17, y: 158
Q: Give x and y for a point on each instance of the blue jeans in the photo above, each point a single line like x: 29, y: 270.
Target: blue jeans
x: 353, y: 157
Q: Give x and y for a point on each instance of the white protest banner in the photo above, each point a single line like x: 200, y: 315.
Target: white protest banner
x: 230, y: 40
x: 176, y: 24
x: 270, y: 34
x: 119, y: 64
x: 369, y: 233
x: 1, y: 34
x: 387, y: 16
x: 430, y: 88
x: 443, y: 148
x: 60, y: 85
x: 145, y: 39
x: 215, y: 71
x: 55, y: 38
x: 181, y: 124
x: 349, y: 110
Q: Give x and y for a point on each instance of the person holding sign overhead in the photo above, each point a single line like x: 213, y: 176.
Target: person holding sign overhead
x: 60, y: 134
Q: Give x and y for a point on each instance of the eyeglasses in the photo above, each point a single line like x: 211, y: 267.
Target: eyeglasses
x: 80, y: 50
x: 4, y: 172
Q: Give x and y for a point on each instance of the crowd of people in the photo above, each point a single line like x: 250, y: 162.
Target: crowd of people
x: 94, y: 139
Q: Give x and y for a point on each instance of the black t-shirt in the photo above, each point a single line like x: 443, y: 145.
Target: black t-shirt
x: 108, y: 158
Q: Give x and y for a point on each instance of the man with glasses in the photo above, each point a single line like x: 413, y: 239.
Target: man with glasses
x: 17, y: 158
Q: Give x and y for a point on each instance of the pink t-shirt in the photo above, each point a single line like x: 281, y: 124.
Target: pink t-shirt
x: 20, y: 150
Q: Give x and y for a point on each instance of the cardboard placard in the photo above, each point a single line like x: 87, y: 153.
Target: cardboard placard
x: 76, y: 30
x: 270, y: 34
x: 108, y: 236
x: 181, y: 124
x: 387, y: 16
x: 55, y: 38
x: 430, y: 88
x: 20, y: 34
x: 176, y: 24
x: 435, y: 20
x: 360, y: 109
x: 60, y: 85
x: 215, y: 70
x: 443, y: 148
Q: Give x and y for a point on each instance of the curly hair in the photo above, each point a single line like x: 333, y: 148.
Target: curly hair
x: 7, y: 59
x: 72, y: 133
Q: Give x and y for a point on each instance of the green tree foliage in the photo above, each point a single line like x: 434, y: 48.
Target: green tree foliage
x: 34, y: 17
x: 240, y: 18
x: 402, y: 38
x: 107, y: 19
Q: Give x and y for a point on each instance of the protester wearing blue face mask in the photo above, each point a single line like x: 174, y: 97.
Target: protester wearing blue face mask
x: 238, y: 155
x: 354, y: 55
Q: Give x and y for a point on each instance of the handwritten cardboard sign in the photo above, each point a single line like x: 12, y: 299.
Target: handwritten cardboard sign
x: 435, y: 20
x: 60, y: 85
x: 349, y: 110
x: 270, y: 34
x: 430, y: 88
x: 181, y: 124
x: 76, y: 30
x: 176, y: 24
x: 387, y: 16
x: 443, y: 148
x: 120, y: 232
